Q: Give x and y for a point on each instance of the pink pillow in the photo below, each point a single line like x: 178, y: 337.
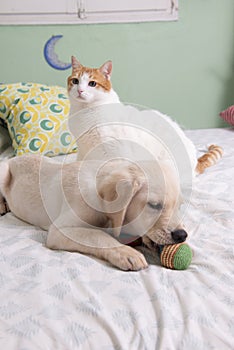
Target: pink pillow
x: 228, y: 115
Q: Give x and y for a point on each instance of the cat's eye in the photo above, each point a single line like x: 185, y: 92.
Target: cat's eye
x: 92, y: 83
x: 155, y: 206
x: 75, y: 81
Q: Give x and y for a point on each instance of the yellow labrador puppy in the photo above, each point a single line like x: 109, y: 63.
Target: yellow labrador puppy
x: 85, y: 205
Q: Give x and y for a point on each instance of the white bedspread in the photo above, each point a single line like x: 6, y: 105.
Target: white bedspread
x: 60, y: 300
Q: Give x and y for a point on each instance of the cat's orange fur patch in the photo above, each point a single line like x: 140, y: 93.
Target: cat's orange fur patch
x: 94, y: 74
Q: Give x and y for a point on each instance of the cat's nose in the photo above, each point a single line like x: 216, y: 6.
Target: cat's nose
x: 80, y: 91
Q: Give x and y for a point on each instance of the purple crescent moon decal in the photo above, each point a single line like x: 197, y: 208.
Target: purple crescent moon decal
x: 50, y: 55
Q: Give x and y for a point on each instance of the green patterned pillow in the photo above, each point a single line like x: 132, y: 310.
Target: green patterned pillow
x: 36, y: 117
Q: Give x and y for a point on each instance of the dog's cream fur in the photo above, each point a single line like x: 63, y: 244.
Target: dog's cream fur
x: 57, y: 198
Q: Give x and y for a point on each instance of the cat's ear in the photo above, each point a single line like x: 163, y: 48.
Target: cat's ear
x: 75, y: 63
x: 106, y: 69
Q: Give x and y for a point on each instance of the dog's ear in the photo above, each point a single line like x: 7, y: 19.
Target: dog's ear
x: 117, y: 191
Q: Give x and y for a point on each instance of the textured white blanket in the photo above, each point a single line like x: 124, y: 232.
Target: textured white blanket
x: 67, y: 301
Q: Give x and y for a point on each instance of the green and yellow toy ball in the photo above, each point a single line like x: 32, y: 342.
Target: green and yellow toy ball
x: 176, y: 256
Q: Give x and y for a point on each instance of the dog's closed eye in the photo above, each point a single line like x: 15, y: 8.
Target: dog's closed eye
x: 155, y: 206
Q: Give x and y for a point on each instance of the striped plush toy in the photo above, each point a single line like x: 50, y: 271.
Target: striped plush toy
x: 176, y: 256
x: 228, y: 115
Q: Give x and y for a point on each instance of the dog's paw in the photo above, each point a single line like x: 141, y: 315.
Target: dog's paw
x: 127, y: 258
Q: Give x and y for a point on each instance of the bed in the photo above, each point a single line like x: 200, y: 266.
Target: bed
x: 61, y: 300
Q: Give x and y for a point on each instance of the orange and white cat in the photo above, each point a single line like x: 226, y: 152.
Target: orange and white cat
x: 89, y: 88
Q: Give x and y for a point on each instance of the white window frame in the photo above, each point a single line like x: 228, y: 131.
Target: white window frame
x: 37, y: 12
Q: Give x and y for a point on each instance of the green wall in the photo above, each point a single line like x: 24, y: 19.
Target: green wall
x: 184, y: 69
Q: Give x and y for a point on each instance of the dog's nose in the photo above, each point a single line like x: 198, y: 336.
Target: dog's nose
x: 179, y: 236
